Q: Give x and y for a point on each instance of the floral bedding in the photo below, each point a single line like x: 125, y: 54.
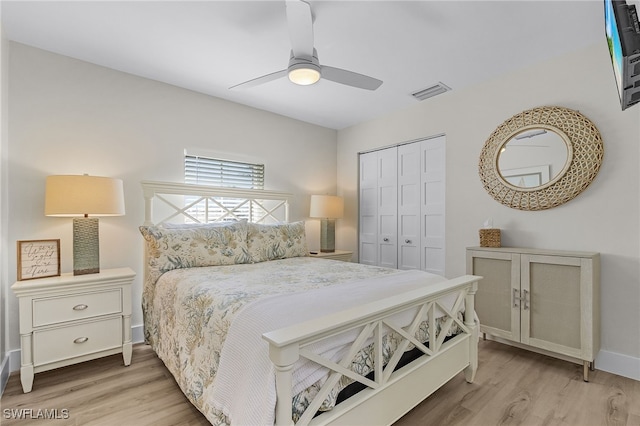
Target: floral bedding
x: 190, y: 310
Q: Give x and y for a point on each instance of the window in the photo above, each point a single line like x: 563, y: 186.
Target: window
x: 223, y: 173
x: 216, y: 172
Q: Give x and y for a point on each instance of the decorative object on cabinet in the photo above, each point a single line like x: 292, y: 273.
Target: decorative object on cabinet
x: 490, y: 237
x: 571, y: 135
x: 402, y: 206
x: 38, y: 259
x: 69, y: 319
x: 84, y: 195
x: 328, y: 208
x: 342, y: 255
x: 545, y: 299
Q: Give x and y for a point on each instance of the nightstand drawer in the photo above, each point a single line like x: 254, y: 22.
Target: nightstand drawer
x: 75, y: 340
x: 53, y: 310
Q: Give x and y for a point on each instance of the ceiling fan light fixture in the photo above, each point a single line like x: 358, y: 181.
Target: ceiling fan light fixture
x: 304, y: 74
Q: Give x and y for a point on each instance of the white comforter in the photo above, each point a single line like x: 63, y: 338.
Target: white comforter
x: 245, y: 383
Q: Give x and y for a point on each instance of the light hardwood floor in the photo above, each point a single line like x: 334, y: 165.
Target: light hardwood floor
x: 512, y: 387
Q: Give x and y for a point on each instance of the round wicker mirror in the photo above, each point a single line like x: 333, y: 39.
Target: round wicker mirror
x: 584, y: 152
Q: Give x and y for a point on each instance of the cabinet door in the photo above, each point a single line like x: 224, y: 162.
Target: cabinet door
x: 432, y: 211
x: 388, y: 208
x: 368, y: 224
x: 497, y: 303
x: 551, y: 314
x: 409, y: 206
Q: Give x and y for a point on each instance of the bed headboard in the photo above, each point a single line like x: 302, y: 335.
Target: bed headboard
x: 166, y: 202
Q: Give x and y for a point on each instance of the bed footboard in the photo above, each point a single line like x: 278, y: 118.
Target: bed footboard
x: 392, y: 392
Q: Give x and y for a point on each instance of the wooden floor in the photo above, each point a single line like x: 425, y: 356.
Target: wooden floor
x: 512, y: 387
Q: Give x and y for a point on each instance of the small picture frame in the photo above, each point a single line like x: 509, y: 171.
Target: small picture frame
x: 38, y: 259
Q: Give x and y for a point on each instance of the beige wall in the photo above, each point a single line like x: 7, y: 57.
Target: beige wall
x: 72, y: 117
x: 604, y: 218
x: 4, y: 245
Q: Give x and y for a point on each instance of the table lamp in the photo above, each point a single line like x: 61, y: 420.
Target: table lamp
x: 328, y: 208
x: 81, y: 196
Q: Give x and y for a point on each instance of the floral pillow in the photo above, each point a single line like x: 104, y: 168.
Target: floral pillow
x: 173, y: 248
x: 270, y: 242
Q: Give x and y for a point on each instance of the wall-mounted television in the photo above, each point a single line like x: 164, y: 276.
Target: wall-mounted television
x: 623, y: 36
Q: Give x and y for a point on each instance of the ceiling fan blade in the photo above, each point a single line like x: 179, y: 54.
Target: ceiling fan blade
x: 260, y: 80
x: 350, y: 78
x: 300, y: 22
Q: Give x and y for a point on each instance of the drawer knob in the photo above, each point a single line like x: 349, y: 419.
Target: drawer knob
x: 81, y: 340
x: 80, y: 307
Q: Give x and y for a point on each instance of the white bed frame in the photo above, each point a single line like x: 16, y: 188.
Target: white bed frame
x: 391, y: 394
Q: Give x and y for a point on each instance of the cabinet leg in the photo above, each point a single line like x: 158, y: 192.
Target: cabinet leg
x: 26, y: 378
x: 127, y: 350
x: 586, y: 370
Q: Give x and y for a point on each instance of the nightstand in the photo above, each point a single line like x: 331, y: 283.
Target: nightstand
x: 69, y: 319
x: 343, y: 255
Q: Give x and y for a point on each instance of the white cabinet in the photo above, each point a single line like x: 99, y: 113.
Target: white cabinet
x: 541, y: 298
x: 402, y: 198
x: 69, y: 319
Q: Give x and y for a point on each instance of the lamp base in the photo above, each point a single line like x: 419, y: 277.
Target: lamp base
x: 86, y: 246
x: 328, y: 235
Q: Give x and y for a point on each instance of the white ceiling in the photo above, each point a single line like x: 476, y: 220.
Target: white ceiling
x: 209, y: 46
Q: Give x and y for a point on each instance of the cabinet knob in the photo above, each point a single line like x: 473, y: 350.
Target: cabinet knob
x: 80, y: 307
x: 81, y: 340
x: 385, y: 239
x: 407, y: 241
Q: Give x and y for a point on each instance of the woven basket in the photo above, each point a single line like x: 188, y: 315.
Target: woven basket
x: 490, y: 237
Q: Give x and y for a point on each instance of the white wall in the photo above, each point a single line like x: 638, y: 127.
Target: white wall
x: 4, y: 242
x: 70, y: 117
x: 605, y: 218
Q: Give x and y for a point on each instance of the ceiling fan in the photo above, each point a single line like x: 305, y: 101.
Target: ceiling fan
x: 304, y: 68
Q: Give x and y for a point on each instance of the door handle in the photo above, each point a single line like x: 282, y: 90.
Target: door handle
x: 525, y: 299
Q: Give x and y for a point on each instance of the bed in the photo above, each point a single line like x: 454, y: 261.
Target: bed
x: 256, y: 332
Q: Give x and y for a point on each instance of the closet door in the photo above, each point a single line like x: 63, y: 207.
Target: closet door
x: 388, y: 208
x: 409, y: 206
x: 368, y: 250
x: 432, y: 181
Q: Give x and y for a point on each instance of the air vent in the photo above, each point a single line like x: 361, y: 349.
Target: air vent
x: 430, y: 92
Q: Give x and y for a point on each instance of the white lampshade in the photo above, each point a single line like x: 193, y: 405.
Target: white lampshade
x: 82, y: 195
x: 326, y: 206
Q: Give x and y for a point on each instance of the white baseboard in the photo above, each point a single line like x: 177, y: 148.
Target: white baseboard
x: 4, y: 373
x: 611, y: 362
x: 137, y: 333
x: 622, y: 365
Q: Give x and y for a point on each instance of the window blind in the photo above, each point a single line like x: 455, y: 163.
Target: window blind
x: 224, y: 173
x: 216, y: 172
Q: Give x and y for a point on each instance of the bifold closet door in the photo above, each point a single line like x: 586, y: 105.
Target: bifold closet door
x: 402, y: 206
x: 409, y: 206
x: 433, y: 188
x: 378, y: 208
x: 388, y: 208
x: 368, y: 250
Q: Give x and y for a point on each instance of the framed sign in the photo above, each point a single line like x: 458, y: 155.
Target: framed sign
x: 38, y: 259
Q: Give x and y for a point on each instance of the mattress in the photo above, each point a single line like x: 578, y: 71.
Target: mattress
x: 206, y: 325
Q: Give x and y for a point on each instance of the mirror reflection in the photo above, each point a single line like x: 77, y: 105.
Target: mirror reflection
x: 532, y: 158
